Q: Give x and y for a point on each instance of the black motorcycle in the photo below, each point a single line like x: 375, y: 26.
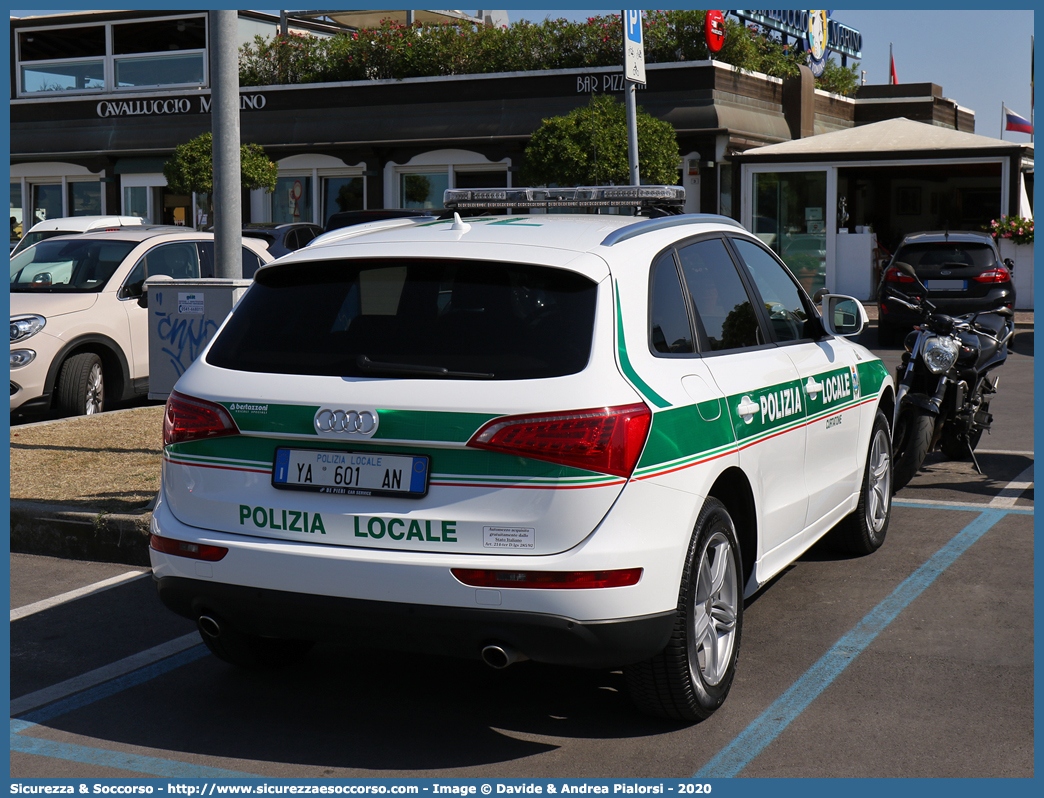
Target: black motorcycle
x: 944, y: 383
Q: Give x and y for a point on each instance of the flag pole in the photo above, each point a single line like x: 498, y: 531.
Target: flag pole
x: 1002, y: 120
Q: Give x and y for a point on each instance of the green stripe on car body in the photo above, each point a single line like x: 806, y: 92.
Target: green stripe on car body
x: 251, y: 451
x: 682, y: 432
x: 424, y: 426
x: 625, y: 362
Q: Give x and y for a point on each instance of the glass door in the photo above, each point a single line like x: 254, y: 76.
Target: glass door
x: 789, y: 214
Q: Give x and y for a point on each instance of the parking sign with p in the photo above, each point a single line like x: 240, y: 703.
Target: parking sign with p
x: 634, y: 48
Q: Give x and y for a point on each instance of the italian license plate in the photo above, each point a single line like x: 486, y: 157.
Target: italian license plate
x: 351, y: 473
x: 945, y: 285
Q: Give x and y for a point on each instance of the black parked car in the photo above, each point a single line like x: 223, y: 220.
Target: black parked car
x: 962, y: 271
x: 282, y: 239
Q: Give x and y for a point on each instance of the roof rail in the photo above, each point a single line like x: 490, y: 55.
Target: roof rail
x: 664, y: 222
x: 354, y: 230
x: 664, y: 197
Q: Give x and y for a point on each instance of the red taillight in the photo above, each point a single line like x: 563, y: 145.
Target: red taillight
x: 181, y: 548
x: 607, y: 439
x: 996, y: 275
x: 893, y: 275
x: 548, y: 580
x: 187, y: 419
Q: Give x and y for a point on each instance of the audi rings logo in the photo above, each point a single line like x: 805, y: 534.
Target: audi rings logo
x: 346, y: 422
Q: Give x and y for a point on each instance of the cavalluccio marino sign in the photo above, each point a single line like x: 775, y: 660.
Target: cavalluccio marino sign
x: 805, y: 25
x: 173, y: 105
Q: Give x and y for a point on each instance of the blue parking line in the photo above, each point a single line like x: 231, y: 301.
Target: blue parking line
x: 732, y: 759
x: 105, y: 758
x: 152, y: 766
x: 132, y: 679
x: 966, y: 508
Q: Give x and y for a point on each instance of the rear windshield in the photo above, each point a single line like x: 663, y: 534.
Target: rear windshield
x: 939, y: 253
x: 439, y: 319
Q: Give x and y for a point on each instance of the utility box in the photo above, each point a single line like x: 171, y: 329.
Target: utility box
x: 183, y: 317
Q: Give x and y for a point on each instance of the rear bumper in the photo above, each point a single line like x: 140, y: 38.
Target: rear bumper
x: 449, y: 631
x: 411, y: 600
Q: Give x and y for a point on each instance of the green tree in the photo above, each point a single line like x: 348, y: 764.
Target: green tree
x: 588, y: 147
x: 190, y: 170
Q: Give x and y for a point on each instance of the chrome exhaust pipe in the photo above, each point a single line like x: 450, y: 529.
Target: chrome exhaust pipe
x: 208, y: 627
x: 500, y: 656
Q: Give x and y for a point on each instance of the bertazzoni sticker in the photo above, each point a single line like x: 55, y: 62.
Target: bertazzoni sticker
x: 508, y: 537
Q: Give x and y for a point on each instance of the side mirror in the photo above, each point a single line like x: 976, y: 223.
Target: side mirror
x: 155, y: 281
x: 1010, y: 264
x: 843, y: 315
x: 906, y: 269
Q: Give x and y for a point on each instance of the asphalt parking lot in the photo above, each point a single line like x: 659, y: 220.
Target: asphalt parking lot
x: 914, y: 662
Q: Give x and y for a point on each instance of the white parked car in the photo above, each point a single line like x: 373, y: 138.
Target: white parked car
x: 578, y: 439
x: 69, y: 225
x: 79, y: 338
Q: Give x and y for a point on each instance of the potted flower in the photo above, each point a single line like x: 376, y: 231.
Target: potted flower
x: 1014, y: 237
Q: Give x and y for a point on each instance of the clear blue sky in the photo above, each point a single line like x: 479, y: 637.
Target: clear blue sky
x: 980, y: 58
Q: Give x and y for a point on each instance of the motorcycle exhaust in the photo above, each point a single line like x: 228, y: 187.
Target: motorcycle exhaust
x: 499, y: 656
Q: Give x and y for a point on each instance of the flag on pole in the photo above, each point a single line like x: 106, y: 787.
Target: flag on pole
x: 892, y: 78
x: 1015, y: 122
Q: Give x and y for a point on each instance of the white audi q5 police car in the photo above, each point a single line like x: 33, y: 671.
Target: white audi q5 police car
x: 575, y: 438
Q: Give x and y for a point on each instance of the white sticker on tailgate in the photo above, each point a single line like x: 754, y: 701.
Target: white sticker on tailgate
x: 508, y: 537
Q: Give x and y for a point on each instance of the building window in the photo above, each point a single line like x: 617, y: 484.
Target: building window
x: 424, y: 190
x: 46, y: 202
x: 136, y: 201
x: 16, y: 212
x: 85, y: 199
x: 422, y: 182
x: 292, y: 201
x: 159, y: 70
x: 341, y: 194
x: 63, y: 76
x: 311, y: 188
x: 144, y: 54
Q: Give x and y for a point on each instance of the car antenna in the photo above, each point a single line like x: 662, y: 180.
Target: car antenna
x: 458, y: 224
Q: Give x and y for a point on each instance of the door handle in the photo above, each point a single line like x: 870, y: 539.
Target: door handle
x: 812, y: 388
x: 747, y: 408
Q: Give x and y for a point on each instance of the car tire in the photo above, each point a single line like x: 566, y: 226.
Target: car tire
x: 252, y: 652
x: 81, y: 385
x: 863, y: 531
x: 692, y: 676
x: 913, y: 436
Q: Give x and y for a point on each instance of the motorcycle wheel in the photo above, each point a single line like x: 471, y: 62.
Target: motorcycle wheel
x: 913, y: 436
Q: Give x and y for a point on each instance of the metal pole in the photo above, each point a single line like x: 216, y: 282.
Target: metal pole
x: 632, y: 132
x: 224, y: 82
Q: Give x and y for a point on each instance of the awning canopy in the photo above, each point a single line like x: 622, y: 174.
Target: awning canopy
x: 892, y: 137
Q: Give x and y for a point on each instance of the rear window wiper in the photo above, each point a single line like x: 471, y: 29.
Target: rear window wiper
x: 407, y: 369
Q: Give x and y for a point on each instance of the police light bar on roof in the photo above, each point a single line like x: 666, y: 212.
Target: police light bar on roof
x: 581, y: 197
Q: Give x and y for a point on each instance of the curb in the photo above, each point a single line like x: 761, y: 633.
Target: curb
x: 57, y: 531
